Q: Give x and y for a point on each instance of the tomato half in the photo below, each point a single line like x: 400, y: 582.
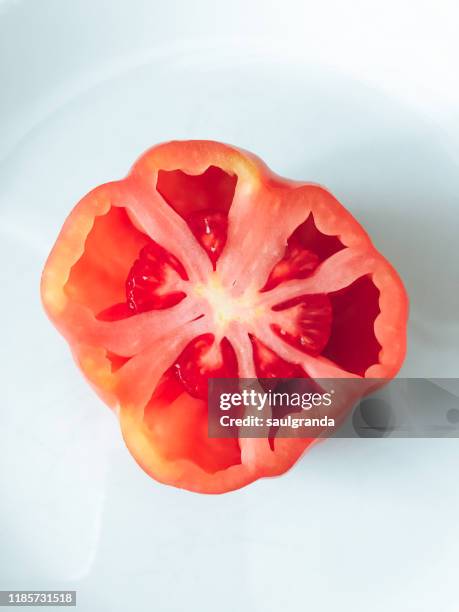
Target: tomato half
x: 203, y: 263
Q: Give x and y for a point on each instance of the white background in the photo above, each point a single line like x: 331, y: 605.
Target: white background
x: 360, y: 96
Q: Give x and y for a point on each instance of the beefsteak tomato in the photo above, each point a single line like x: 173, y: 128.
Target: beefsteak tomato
x: 203, y: 263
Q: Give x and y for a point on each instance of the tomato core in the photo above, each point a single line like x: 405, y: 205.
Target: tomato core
x: 155, y: 278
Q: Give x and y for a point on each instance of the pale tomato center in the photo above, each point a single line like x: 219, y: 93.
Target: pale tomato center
x: 225, y: 306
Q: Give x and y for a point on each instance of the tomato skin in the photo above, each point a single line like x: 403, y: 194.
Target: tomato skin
x: 119, y: 365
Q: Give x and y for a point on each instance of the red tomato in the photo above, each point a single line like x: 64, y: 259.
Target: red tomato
x: 202, y: 263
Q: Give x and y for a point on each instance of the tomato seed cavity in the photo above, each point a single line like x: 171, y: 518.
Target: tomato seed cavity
x: 297, y: 262
x: 210, y: 230
x: 203, y: 358
x: 151, y: 283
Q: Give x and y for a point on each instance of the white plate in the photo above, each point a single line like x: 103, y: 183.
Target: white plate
x: 320, y: 93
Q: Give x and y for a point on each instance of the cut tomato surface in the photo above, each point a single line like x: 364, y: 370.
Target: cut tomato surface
x: 202, y: 263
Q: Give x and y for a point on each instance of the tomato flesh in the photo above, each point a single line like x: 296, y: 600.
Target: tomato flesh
x: 203, y: 264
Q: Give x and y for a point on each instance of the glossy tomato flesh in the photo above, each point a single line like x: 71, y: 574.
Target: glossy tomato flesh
x: 203, y: 264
